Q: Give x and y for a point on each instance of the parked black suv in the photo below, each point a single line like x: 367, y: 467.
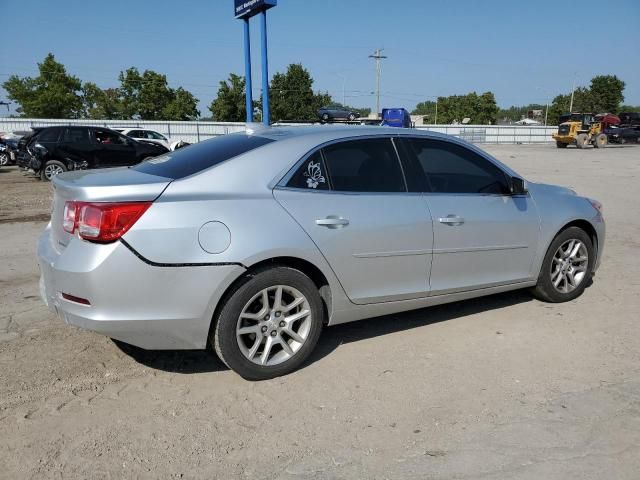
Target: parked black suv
x: 53, y: 150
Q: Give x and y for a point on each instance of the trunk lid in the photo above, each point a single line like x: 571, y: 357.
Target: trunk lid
x: 112, y: 185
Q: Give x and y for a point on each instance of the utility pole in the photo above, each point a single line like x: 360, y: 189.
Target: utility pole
x: 378, y: 56
x: 573, y: 88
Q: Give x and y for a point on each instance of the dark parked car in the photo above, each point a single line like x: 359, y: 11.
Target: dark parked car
x: 337, y: 112
x: 630, y: 118
x: 53, y: 150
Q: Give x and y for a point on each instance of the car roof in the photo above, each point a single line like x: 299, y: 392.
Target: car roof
x: 322, y: 133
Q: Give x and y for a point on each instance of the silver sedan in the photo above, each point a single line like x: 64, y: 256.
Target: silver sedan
x: 250, y: 243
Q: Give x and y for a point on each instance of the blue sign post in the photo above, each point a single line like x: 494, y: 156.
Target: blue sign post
x: 244, y: 10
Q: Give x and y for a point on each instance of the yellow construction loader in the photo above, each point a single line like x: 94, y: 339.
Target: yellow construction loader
x: 580, y: 129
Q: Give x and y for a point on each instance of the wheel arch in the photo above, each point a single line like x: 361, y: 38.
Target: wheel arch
x: 309, y: 269
x: 588, y: 227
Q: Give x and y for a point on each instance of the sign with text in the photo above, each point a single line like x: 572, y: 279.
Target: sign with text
x: 249, y: 8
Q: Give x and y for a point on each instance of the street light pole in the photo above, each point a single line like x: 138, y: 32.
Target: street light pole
x: 378, y: 56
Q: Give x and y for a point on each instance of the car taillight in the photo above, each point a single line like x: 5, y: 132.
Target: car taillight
x: 70, y: 216
x: 102, y: 222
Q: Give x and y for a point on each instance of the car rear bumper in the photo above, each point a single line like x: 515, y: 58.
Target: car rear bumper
x: 147, y: 306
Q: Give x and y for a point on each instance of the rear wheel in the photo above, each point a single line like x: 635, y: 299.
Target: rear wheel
x: 51, y: 169
x: 582, y: 140
x: 566, y: 268
x: 600, y: 141
x: 270, y: 324
x: 561, y: 145
x: 325, y: 117
x: 352, y: 117
x: 4, y: 159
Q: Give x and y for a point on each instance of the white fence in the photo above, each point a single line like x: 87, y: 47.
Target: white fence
x: 193, y: 132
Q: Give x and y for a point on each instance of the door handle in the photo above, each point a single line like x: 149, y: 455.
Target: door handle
x: 452, y: 220
x: 332, y: 221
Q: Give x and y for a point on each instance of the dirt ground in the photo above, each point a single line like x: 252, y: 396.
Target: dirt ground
x: 494, y: 388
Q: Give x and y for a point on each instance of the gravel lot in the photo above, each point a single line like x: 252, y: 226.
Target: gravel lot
x: 494, y: 388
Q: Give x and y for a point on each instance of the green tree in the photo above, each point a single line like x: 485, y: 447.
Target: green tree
x: 427, y: 109
x: 291, y: 95
x: 480, y: 109
x: 52, y: 94
x: 229, y: 105
x: 183, y: 106
x: 102, y: 104
x: 148, y: 96
x: 606, y: 93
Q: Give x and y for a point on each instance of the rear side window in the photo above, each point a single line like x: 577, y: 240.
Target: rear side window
x: 195, y: 158
x: 311, y: 174
x: 76, y: 135
x: 452, y: 168
x: 49, y: 135
x: 369, y: 165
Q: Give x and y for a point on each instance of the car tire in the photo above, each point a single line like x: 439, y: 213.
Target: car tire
x: 250, y: 337
x: 325, y: 117
x: 4, y: 159
x: 52, y: 168
x: 560, y: 265
x: 352, y: 117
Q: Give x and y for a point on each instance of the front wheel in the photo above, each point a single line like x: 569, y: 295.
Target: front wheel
x: 582, y: 140
x: 600, y: 141
x: 4, y: 159
x: 270, y: 324
x: 567, y: 266
x: 51, y: 169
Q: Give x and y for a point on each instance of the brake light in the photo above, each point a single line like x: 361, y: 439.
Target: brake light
x: 102, y: 222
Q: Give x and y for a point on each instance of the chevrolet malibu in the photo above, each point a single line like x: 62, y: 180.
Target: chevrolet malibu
x: 251, y: 242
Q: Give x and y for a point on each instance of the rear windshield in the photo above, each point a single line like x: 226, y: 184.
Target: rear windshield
x: 195, y: 158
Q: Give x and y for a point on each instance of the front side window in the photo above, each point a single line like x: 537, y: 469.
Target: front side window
x: 369, y: 165
x: 452, y: 168
x: 109, y: 137
x: 311, y: 174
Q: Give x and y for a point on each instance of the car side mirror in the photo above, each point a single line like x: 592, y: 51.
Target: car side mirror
x: 518, y: 186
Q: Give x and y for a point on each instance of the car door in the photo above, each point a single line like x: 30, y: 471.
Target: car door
x: 351, y: 199
x: 483, y: 235
x: 77, y: 147
x: 113, y: 149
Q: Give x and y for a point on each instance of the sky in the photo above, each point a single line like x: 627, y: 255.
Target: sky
x: 523, y: 51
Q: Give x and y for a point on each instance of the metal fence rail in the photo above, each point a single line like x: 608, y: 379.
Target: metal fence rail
x: 193, y: 132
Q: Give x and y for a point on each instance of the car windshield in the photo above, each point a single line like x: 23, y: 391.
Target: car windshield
x: 196, y: 158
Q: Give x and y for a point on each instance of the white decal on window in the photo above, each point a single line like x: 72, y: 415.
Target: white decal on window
x: 315, y: 175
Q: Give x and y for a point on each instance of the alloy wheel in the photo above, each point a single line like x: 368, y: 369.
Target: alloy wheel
x: 51, y: 171
x: 569, y: 266
x: 273, y: 325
